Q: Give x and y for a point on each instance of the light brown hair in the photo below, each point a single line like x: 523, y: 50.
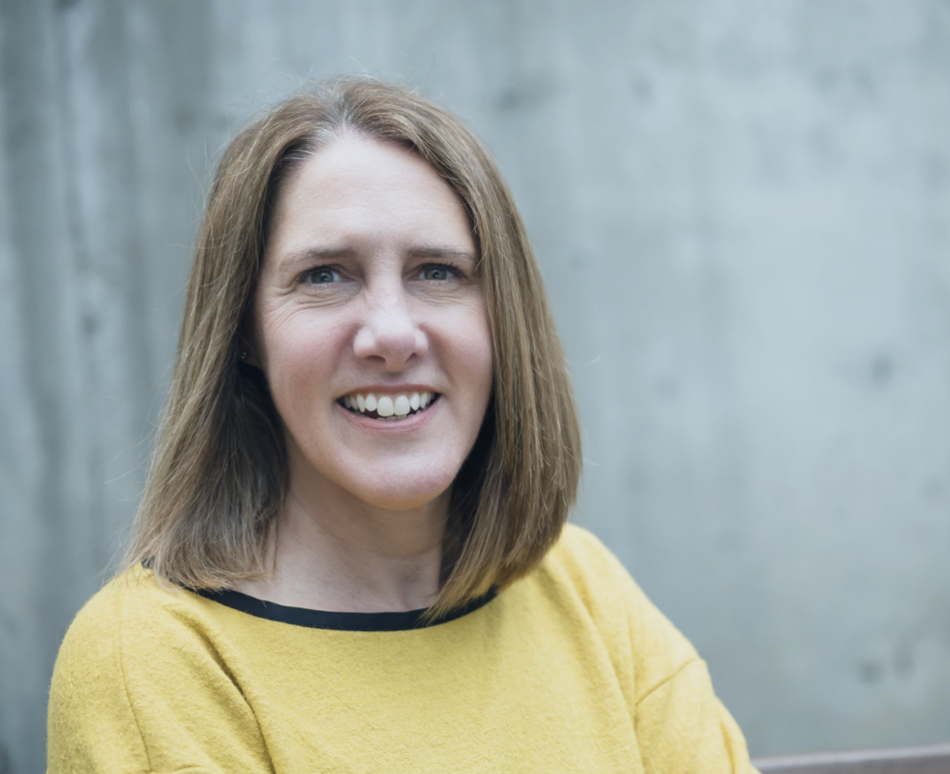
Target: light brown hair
x: 218, y: 473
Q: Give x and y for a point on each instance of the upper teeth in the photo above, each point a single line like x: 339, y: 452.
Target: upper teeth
x: 388, y: 405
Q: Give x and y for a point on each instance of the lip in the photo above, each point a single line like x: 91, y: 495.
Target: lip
x: 410, y: 423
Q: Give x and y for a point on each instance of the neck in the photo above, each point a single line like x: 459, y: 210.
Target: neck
x: 332, y: 552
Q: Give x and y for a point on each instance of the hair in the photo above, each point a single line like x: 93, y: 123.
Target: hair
x: 219, y: 472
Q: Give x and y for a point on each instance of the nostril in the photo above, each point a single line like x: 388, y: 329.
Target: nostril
x: 393, y: 344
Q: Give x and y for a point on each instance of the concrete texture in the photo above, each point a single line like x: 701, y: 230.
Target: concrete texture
x: 742, y: 210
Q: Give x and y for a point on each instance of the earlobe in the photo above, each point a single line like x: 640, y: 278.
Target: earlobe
x: 246, y: 356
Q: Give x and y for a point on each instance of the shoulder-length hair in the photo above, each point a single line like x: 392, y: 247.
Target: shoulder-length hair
x: 219, y: 474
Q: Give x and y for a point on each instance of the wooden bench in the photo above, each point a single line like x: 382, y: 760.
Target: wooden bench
x: 934, y: 759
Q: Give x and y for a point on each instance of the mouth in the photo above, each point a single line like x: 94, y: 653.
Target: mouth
x: 388, y: 408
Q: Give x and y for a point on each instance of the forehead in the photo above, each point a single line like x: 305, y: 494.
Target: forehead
x: 357, y: 188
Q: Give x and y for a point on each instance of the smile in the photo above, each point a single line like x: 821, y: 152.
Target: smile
x: 390, y: 408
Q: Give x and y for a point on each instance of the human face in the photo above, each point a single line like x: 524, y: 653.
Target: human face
x: 370, y: 286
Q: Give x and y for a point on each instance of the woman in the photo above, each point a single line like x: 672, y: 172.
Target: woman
x: 351, y: 552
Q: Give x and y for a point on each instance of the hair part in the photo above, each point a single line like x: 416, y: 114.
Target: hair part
x: 219, y: 469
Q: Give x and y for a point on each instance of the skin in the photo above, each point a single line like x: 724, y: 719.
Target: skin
x: 369, y: 283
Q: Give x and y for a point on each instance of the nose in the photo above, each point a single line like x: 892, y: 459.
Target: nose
x: 389, y: 332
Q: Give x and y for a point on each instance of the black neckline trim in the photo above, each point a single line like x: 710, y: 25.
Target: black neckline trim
x: 349, y: 622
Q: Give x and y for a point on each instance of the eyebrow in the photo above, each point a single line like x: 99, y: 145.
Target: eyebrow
x: 317, y: 255
x: 443, y: 252
x: 325, y: 254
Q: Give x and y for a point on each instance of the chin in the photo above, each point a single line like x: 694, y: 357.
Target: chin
x: 386, y: 480
x: 410, y: 485
x: 403, y: 498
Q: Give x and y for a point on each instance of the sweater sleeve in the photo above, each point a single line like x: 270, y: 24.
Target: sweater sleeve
x: 139, y: 688
x: 680, y: 724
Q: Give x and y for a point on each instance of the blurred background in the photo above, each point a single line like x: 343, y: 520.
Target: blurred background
x: 741, y: 209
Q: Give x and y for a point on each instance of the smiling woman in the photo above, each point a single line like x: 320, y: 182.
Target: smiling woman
x: 351, y: 554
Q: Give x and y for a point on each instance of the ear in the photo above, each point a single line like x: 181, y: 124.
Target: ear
x: 246, y: 350
x: 247, y: 354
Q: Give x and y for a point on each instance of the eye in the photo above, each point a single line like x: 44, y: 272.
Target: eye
x: 438, y: 273
x: 321, y: 275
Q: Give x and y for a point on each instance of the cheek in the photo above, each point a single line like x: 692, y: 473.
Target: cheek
x: 284, y: 352
x: 475, y: 352
x: 297, y: 352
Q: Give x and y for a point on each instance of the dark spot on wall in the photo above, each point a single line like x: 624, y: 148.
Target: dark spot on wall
x: 8, y: 623
x: 185, y: 120
x: 728, y: 539
x: 90, y: 324
x: 634, y: 480
x: 672, y: 43
x: 524, y: 94
x: 666, y: 386
x: 6, y: 766
x: 642, y: 89
x: 62, y: 5
x: 904, y: 661
x: 854, y: 85
x: 933, y: 489
x: 881, y: 370
x: 509, y: 99
x: 935, y: 172
x: 736, y: 59
x: 870, y: 671
x: 826, y: 152
x: 862, y: 81
x: 826, y: 79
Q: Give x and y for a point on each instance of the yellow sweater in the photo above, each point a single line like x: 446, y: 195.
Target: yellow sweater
x: 569, y: 669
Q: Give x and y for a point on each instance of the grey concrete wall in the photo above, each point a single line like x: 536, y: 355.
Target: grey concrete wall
x: 742, y: 210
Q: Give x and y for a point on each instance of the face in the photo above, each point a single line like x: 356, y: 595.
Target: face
x: 371, y: 327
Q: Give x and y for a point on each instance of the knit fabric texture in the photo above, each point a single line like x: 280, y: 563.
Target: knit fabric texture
x: 569, y: 669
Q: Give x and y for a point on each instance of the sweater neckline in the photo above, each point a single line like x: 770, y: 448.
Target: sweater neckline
x: 325, y: 619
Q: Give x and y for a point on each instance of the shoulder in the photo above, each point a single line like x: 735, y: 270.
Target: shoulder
x: 128, y: 626
x: 89, y: 694
x: 133, y: 611
x: 642, y: 641
x: 139, y: 666
x: 680, y: 724
x: 581, y: 551
x: 137, y: 634
x: 581, y: 562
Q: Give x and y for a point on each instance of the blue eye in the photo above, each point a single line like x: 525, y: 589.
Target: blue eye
x: 438, y: 273
x: 322, y: 275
